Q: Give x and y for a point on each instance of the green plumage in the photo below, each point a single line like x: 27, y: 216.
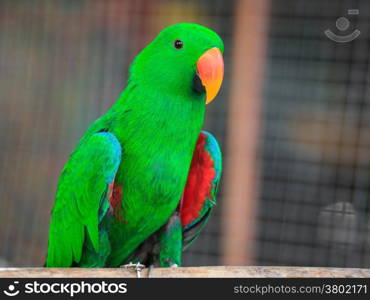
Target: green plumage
x: 145, y: 144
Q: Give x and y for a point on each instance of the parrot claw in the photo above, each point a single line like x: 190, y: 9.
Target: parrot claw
x: 138, y: 267
x: 174, y: 266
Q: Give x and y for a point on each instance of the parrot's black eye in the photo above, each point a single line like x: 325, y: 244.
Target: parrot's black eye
x: 178, y: 44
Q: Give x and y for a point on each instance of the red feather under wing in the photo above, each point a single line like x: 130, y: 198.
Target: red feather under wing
x: 199, y: 183
x: 115, y: 200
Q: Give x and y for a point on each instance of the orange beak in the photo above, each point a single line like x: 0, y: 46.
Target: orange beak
x: 210, y: 67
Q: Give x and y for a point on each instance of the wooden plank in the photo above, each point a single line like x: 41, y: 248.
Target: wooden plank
x: 191, y: 272
x: 241, y: 173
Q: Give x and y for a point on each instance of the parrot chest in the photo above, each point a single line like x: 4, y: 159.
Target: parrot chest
x: 154, y: 179
x: 155, y: 165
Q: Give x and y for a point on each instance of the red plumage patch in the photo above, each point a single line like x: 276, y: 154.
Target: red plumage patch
x: 199, y: 183
x: 115, y: 198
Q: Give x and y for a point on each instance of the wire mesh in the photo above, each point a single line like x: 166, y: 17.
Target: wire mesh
x: 315, y: 143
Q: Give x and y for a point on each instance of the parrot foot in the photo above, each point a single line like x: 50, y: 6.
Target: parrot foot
x: 138, y: 267
x: 174, y: 266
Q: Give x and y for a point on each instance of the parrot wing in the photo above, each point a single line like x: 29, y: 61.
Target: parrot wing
x: 199, y: 195
x: 83, y: 198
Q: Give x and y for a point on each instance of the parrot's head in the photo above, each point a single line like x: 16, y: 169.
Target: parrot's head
x: 184, y: 59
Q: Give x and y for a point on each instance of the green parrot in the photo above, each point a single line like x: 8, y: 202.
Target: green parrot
x: 141, y: 183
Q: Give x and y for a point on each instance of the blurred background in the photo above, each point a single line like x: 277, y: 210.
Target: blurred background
x: 292, y: 118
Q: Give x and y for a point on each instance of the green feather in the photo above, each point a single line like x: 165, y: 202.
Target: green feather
x: 83, y: 182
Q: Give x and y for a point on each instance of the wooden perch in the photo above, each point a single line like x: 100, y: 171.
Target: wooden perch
x: 191, y: 272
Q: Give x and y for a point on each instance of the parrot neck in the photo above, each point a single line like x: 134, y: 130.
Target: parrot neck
x: 146, y: 114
